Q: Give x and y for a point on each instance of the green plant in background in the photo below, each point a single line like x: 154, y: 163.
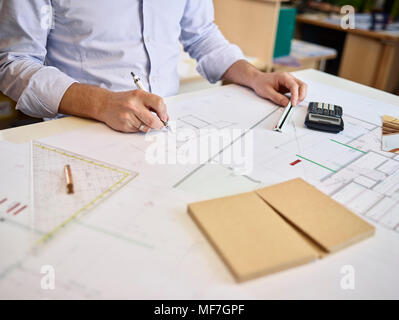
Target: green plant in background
x: 367, y: 5
x: 395, y: 9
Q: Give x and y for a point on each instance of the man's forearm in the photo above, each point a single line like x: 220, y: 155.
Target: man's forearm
x: 271, y: 86
x: 127, y: 111
x: 84, y: 100
x: 243, y: 73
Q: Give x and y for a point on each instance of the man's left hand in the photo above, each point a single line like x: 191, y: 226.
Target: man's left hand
x: 273, y: 86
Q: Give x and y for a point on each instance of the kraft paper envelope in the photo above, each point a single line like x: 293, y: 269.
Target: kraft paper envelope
x: 249, y: 236
x: 321, y: 218
x: 276, y: 228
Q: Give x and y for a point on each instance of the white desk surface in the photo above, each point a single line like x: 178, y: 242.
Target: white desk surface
x: 212, y: 280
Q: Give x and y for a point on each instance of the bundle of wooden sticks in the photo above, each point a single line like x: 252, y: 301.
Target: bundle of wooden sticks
x: 390, y: 125
x: 390, y: 134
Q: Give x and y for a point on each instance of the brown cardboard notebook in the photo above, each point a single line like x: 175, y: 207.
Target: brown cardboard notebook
x: 249, y: 236
x: 321, y: 218
x: 253, y: 239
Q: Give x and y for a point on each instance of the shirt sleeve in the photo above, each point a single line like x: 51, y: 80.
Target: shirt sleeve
x: 38, y: 89
x: 202, y: 39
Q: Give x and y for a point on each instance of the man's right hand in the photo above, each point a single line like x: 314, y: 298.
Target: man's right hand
x: 130, y: 110
x: 126, y: 111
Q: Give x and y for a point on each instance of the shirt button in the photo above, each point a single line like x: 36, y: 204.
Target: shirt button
x: 154, y: 78
x: 147, y: 39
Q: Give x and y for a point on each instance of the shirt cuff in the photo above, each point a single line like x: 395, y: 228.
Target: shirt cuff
x: 42, y: 97
x: 214, y: 65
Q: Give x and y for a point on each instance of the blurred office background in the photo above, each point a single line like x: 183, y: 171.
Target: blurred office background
x: 299, y: 34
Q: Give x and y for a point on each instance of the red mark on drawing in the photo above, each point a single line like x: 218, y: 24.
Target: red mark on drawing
x: 19, y: 210
x: 149, y: 204
x: 13, y: 207
x: 295, y: 162
x: 3, y: 200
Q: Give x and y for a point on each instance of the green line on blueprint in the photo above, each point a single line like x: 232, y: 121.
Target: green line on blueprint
x: 320, y: 165
x: 343, y: 144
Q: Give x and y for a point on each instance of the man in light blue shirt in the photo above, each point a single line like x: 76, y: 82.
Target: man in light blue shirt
x: 75, y: 57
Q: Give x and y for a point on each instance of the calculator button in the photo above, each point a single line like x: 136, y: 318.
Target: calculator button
x: 325, y: 109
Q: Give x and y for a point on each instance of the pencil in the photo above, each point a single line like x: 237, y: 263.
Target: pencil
x: 139, y: 85
x: 68, y: 178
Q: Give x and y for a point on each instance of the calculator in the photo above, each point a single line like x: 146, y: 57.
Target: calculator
x: 324, y: 117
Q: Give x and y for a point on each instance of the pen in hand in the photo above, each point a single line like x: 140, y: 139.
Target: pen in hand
x: 139, y: 85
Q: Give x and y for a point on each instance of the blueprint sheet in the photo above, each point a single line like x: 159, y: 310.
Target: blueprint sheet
x: 141, y: 243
